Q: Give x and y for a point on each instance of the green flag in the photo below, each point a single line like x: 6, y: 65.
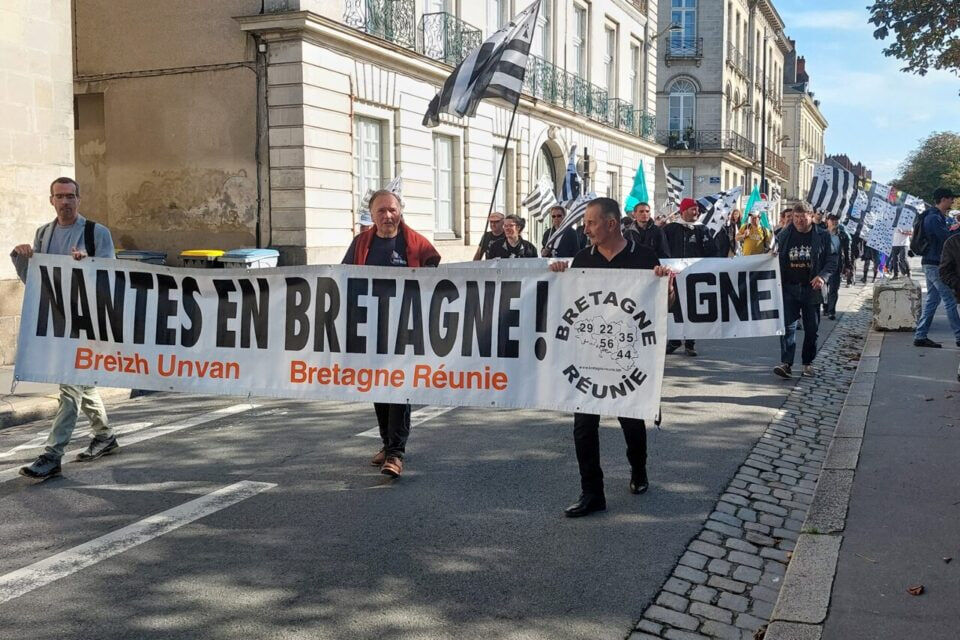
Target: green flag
x: 751, y: 203
x: 639, y: 192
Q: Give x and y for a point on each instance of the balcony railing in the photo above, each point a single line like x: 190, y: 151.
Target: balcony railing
x: 683, y: 48
x: 391, y: 20
x: 777, y: 163
x: 739, y: 62
x: 697, y: 140
x: 548, y: 82
x: 446, y: 38
x: 640, y: 5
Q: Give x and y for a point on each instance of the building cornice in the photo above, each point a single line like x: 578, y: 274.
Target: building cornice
x: 323, y: 31
x: 808, y: 104
x: 772, y: 16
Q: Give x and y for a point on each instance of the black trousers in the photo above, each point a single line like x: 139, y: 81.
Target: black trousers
x: 394, y: 423
x: 689, y: 344
x: 586, y: 437
x: 898, y: 258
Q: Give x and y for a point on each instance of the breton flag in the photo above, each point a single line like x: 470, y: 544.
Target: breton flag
x: 540, y: 199
x: 832, y: 190
x: 575, y: 210
x: 494, y: 70
x: 717, y: 207
x: 674, y: 189
x: 395, y: 185
x: 572, y: 185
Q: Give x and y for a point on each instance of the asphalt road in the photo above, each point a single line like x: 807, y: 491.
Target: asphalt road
x: 469, y: 543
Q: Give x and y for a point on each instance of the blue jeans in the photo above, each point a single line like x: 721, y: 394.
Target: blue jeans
x: 797, y: 302
x: 936, y: 291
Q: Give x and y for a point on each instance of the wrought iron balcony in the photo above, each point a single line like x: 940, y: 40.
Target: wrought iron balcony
x: 446, y: 38
x: 683, y: 48
x: 777, y: 163
x: 391, y: 20
x: 697, y: 140
x: 739, y: 61
x: 548, y: 82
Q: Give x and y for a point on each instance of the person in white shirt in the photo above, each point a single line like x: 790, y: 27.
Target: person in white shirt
x: 898, y: 255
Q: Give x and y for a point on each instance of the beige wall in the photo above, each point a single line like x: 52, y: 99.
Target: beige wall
x: 167, y: 115
x: 36, y: 132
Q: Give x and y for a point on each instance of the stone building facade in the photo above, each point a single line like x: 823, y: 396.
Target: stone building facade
x: 804, y: 127
x: 713, y: 89
x: 248, y: 122
x: 36, y: 133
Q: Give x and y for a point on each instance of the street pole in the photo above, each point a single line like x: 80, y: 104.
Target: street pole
x: 763, y: 119
x: 506, y: 146
x: 586, y: 171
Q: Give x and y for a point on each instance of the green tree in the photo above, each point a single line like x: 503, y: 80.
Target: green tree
x: 927, y: 33
x: 935, y: 163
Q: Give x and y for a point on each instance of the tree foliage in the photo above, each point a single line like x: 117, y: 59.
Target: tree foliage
x: 935, y: 163
x: 927, y: 32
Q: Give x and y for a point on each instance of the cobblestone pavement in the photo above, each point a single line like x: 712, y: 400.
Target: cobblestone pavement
x: 726, y: 583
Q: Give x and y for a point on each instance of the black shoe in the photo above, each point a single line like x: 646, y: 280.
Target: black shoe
x: 690, y: 351
x: 927, y: 342
x: 587, y: 504
x: 672, y: 347
x: 785, y: 371
x: 98, y: 447
x: 638, y: 482
x: 42, y: 468
x: 832, y: 316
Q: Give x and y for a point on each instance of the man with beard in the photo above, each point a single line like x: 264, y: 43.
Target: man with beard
x: 687, y: 239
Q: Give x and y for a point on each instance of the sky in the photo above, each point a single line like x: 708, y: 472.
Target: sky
x: 877, y: 114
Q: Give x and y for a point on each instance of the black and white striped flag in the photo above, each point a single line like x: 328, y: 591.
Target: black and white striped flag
x: 674, y: 188
x: 494, y: 70
x: 716, y: 208
x: 575, y: 210
x: 832, y: 190
x: 540, y: 199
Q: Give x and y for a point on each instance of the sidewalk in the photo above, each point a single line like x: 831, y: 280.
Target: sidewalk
x: 895, y: 458
x: 35, y: 401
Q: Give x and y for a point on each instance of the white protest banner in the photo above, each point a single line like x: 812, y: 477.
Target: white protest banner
x: 726, y: 298
x: 716, y: 297
x: 575, y: 341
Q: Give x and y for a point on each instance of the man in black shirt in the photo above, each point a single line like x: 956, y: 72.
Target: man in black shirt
x: 807, y: 259
x: 569, y: 242
x: 609, y: 250
x: 687, y: 239
x: 642, y: 230
x: 490, y: 237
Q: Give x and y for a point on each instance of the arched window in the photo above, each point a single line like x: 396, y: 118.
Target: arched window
x: 683, y: 97
x: 736, y: 114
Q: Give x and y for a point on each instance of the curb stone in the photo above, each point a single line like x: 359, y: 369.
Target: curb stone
x: 756, y: 524
x: 804, y: 599
x: 17, y: 410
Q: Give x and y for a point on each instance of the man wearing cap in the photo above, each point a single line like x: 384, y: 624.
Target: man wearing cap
x: 687, y: 239
x: 936, y: 230
x: 491, y: 237
x: 391, y: 243
x: 754, y: 238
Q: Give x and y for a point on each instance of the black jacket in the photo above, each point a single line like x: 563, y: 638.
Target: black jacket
x: 567, y: 246
x: 649, y: 235
x: 950, y: 263
x: 686, y: 242
x: 726, y: 244
x: 823, y: 258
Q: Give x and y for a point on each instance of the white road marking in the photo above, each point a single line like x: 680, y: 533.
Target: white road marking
x: 41, y: 438
x: 61, y: 565
x: 173, y: 486
x: 417, y: 417
x: 146, y: 434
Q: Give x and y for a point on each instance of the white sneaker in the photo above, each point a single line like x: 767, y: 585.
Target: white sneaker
x: 808, y: 370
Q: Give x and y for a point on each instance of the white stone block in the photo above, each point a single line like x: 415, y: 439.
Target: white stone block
x: 896, y: 305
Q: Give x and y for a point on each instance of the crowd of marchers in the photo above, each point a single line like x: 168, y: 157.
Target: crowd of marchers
x: 814, y: 254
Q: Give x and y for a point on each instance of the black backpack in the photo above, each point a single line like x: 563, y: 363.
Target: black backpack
x: 918, y: 241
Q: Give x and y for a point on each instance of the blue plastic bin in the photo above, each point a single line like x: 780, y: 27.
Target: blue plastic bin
x: 249, y: 258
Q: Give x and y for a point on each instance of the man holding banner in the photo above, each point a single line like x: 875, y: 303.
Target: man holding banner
x: 687, y: 239
x: 72, y: 235
x: 807, y: 261
x: 391, y: 243
x: 609, y: 250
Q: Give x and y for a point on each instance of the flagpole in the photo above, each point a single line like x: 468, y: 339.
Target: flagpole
x: 506, y: 143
